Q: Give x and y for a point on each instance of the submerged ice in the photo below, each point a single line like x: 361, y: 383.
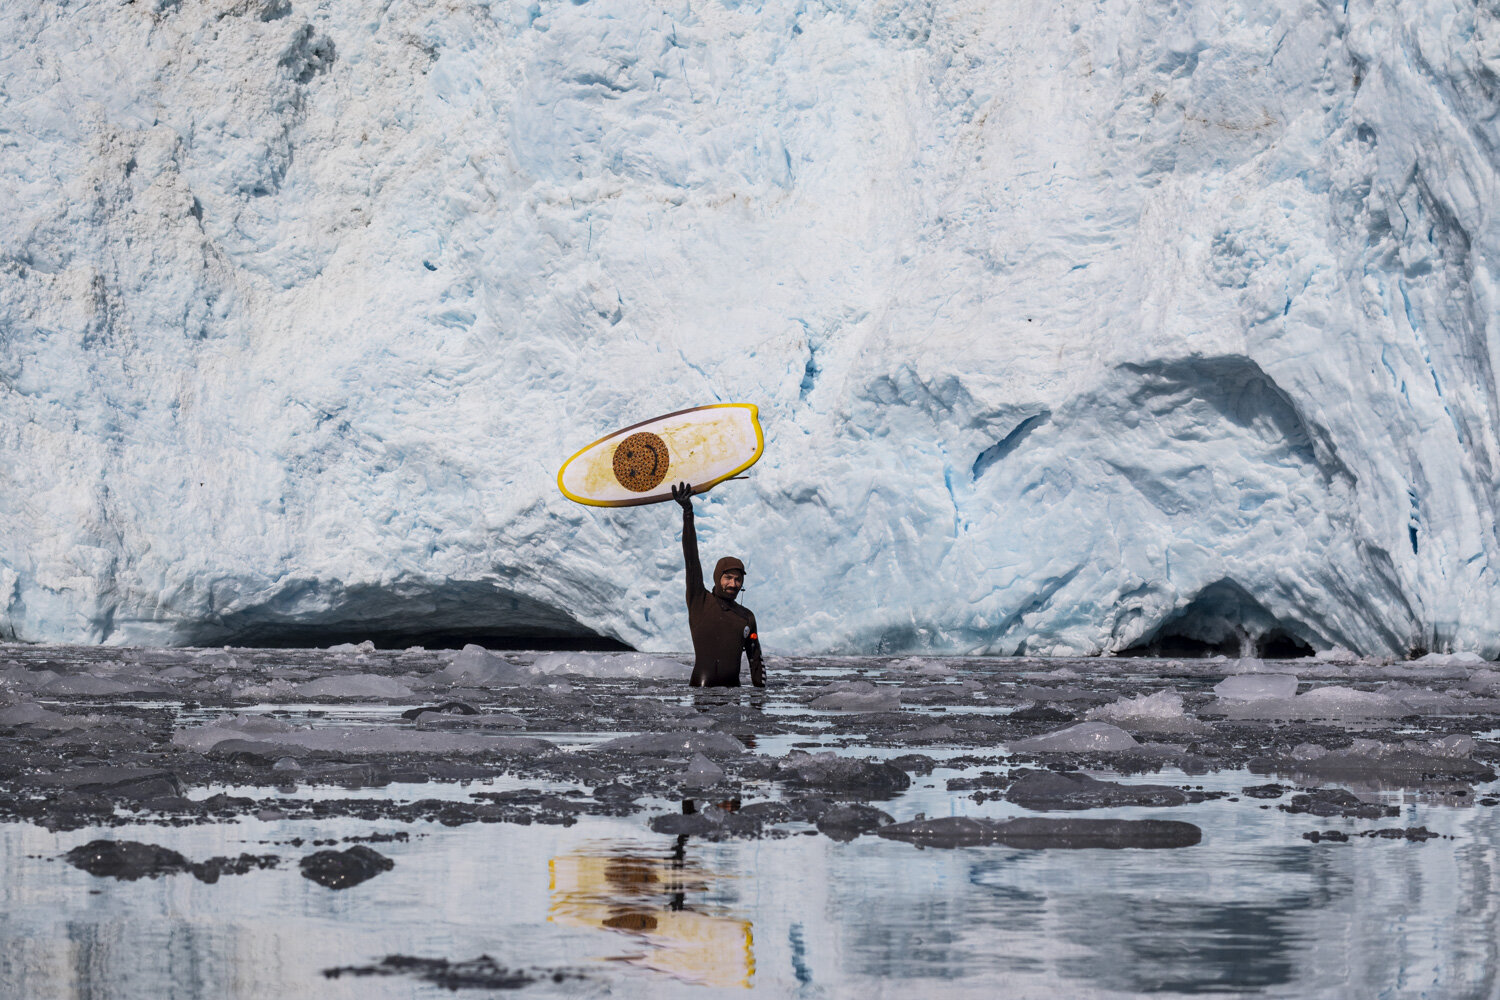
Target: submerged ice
x: 1075, y: 327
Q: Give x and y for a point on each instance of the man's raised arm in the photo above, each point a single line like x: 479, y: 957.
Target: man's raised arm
x: 683, y: 494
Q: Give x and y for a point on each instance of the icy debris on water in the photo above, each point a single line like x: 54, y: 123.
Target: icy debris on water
x: 1036, y: 833
x: 343, y: 869
x: 1084, y: 737
x: 858, y: 696
x: 1050, y: 790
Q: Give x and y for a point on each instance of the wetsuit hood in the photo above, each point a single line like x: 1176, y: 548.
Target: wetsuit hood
x: 723, y: 566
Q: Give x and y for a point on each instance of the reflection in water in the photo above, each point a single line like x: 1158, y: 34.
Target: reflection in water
x: 660, y: 901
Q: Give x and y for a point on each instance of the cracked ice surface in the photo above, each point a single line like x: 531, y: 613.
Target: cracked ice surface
x: 1073, y: 325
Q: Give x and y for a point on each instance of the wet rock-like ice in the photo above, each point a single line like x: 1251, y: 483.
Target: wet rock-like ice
x: 1048, y: 790
x: 343, y: 869
x: 1042, y: 834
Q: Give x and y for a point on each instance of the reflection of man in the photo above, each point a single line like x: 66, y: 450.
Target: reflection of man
x: 721, y: 629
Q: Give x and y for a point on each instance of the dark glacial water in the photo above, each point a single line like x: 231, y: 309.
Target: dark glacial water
x: 1328, y: 836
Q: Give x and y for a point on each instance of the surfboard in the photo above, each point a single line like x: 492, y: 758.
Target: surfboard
x: 641, y: 463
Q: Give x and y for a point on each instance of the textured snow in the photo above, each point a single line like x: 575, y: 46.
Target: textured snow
x: 1074, y: 325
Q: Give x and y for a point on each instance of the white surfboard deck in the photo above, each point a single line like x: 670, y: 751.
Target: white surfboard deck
x: 641, y: 463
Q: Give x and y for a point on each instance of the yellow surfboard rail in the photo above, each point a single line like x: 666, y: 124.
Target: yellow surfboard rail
x: 669, y: 480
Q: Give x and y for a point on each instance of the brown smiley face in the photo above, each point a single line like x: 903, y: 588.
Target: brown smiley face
x: 641, y: 462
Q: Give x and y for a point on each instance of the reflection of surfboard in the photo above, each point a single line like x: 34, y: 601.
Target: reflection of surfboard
x: 632, y: 895
x: 641, y: 463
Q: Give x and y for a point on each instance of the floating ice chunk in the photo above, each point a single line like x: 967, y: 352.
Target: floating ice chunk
x: 484, y: 720
x: 1083, y: 737
x: 839, y: 776
x: 1161, y: 711
x: 477, y: 665
x: 1337, y: 701
x: 1033, y: 833
x: 1308, y: 751
x: 858, y: 696
x: 355, y: 686
x: 29, y: 713
x: 610, y: 665
x: 217, y: 659
x: 22, y: 679
x: 348, y: 647
x: 1047, y: 790
x: 708, y: 744
x: 924, y: 666
x: 179, y: 673
x: 1452, y: 660
x: 1337, y: 655
x: 276, y: 690
x: 1451, y: 746
x: 1420, y: 701
x: 1256, y: 687
x: 702, y: 772
x: 86, y: 685
x: 1331, y: 702
x: 362, y: 740
x: 225, y: 727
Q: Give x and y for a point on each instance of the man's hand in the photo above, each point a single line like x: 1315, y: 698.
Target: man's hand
x: 683, y: 494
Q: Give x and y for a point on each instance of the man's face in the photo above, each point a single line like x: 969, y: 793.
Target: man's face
x: 731, y: 582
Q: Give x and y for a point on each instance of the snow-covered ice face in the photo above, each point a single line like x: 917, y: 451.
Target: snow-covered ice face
x: 731, y: 583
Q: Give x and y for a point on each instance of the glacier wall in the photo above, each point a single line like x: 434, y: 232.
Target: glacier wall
x: 1075, y: 326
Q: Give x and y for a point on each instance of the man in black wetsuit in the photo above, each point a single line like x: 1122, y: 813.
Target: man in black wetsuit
x: 721, y: 629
